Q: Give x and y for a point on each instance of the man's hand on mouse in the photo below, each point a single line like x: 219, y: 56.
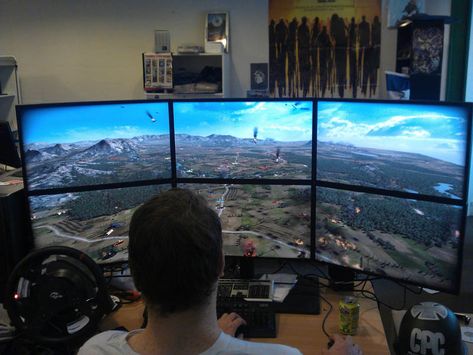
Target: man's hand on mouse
x: 229, y: 323
x: 342, y: 346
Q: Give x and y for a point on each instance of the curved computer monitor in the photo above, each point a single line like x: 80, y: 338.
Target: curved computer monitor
x: 88, y: 166
x: 391, y: 191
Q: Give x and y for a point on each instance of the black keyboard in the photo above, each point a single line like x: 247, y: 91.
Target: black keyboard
x: 259, y: 316
x: 250, y: 290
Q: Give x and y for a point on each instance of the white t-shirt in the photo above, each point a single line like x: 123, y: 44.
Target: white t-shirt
x: 115, y: 342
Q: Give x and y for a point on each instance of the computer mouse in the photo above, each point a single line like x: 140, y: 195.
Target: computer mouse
x: 241, y: 331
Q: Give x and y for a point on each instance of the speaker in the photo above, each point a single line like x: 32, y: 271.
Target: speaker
x: 341, y: 279
x: 15, y: 235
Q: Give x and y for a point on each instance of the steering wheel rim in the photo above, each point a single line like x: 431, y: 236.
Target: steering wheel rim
x: 61, y: 300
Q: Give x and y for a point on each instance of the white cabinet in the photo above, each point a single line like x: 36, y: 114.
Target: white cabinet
x: 10, y: 94
x: 198, y: 75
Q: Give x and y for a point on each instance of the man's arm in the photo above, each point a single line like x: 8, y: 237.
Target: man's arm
x: 229, y: 323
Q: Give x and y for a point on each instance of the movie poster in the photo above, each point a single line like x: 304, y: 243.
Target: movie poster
x: 324, y: 48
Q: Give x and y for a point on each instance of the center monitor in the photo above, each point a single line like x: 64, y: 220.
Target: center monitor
x: 252, y: 160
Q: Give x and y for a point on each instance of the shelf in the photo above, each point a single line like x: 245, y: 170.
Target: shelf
x: 3, y: 97
x: 7, y: 61
x: 196, y: 75
x: 10, y: 89
x: 195, y: 95
x: 201, y: 54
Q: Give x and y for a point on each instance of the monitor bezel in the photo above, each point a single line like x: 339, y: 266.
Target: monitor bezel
x: 240, y: 181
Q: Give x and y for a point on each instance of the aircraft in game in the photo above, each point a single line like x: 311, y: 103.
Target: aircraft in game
x: 151, y: 116
x: 278, y: 152
x: 255, y: 135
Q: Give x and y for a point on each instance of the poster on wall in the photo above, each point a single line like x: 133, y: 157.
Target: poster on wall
x: 324, y: 48
x: 259, y: 76
x: 157, y: 71
x: 399, y: 10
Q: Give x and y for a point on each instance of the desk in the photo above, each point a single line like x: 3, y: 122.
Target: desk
x: 301, y: 331
x: 393, y: 294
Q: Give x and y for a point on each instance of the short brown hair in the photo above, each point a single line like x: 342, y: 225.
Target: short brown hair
x: 175, y: 250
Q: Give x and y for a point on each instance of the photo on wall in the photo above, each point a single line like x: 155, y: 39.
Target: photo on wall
x: 216, y: 31
x: 259, y: 76
x: 399, y: 10
x: 321, y: 49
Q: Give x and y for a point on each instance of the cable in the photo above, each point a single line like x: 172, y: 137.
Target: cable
x: 372, y: 296
x: 326, y: 316
x: 279, y: 268
x: 419, y: 292
x: 325, y: 276
x: 360, y: 283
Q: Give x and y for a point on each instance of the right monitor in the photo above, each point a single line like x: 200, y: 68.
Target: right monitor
x: 391, y: 185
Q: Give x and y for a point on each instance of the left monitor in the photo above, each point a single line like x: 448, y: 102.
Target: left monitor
x: 84, y: 144
x: 88, y: 166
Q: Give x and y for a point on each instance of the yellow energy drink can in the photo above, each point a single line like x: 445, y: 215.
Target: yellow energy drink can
x: 349, y: 315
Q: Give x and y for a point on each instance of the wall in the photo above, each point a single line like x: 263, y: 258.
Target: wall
x: 91, y: 50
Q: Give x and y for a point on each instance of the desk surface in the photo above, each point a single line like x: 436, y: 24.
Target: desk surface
x: 301, y: 331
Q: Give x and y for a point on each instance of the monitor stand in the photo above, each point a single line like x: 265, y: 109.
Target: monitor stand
x: 304, y: 298
x: 341, y: 278
x: 239, y: 268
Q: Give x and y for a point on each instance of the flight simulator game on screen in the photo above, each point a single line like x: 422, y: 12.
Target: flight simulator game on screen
x: 82, y: 145
x: 376, y: 186
x: 71, y: 150
x: 244, y: 139
x: 223, y: 142
x: 394, y: 193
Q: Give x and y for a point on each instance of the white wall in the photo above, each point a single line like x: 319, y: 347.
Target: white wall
x: 73, y: 50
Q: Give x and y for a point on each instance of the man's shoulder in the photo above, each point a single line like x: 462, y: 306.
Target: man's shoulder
x: 274, y: 349
x: 229, y: 345
x: 109, y: 342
